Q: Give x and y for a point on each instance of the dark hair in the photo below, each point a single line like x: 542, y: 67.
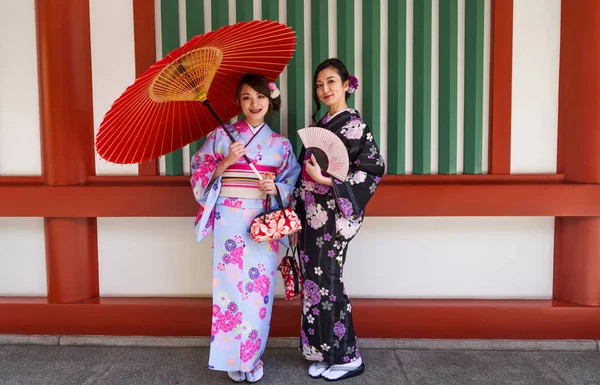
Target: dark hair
x: 340, y: 68
x: 261, y: 85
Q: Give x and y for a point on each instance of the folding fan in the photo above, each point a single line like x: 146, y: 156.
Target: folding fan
x: 328, y: 149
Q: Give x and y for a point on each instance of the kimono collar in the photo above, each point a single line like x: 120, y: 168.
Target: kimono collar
x: 247, y: 132
x: 256, y: 129
x: 328, y: 117
x: 243, y: 127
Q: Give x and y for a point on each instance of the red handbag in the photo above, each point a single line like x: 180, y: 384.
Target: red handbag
x: 290, y: 272
x: 274, y: 224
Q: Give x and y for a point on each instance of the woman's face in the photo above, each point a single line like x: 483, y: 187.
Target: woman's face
x: 254, y: 105
x: 330, y: 89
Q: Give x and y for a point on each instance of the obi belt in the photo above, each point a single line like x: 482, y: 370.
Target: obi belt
x: 239, y: 181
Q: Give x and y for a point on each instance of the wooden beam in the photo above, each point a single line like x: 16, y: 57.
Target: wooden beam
x: 20, y: 180
x: 390, y: 199
x: 145, y: 56
x: 67, y: 136
x: 374, y: 318
x: 578, y: 92
x: 577, y: 245
x: 501, y: 86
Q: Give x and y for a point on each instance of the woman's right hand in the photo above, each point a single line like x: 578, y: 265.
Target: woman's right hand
x: 293, y: 238
x: 236, y: 151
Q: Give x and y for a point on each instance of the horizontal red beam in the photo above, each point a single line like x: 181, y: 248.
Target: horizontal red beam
x: 471, y: 179
x: 487, y: 200
x: 374, y: 318
x: 127, y: 180
x: 387, y: 179
x: 391, y: 199
x: 20, y: 180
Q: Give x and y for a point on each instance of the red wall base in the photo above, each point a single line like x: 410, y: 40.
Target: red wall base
x: 374, y: 318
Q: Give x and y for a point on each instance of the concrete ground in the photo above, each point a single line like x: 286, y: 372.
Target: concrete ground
x: 68, y: 360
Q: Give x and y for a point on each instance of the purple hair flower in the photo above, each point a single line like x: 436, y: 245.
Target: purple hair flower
x: 353, y: 84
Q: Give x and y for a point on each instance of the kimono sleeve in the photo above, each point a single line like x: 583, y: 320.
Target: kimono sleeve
x: 295, y: 196
x: 287, y: 173
x: 364, y: 174
x: 203, y: 165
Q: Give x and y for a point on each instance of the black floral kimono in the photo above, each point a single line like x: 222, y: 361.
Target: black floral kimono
x: 331, y: 217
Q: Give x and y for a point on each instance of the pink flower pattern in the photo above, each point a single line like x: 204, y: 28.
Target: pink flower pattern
x: 262, y: 285
x: 237, y: 252
x: 274, y: 246
x: 204, y: 172
x: 228, y: 321
x: 249, y: 349
x: 233, y: 202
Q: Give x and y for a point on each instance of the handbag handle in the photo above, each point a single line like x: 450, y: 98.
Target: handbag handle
x: 279, y: 202
x: 293, y: 270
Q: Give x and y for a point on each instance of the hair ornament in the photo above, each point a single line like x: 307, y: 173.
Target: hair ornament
x: 274, y: 91
x: 352, y: 83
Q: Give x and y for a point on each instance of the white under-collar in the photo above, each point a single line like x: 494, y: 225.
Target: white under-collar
x: 253, y: 129
x: 328, y: 117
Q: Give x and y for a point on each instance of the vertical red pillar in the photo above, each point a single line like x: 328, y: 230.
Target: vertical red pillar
x: 501, y: 86
x: 67, y: 133
x: 577, y: 246
x: 145, y: 56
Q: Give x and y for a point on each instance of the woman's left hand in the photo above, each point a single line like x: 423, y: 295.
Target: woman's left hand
x: 314, y: 170
x: 268, y: 186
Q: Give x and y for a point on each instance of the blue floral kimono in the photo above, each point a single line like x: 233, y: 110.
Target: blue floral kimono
x: 244, y: 270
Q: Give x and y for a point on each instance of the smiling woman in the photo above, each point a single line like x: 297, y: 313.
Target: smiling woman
x: 230, y: 196
x: 331, y: 211
x: 258, y: 99
x: 254, y: 105
x: 332, y: 90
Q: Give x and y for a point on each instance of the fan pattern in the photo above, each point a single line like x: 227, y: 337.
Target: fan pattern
x: 331, y: 145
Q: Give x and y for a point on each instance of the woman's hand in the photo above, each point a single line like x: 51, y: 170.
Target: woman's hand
x: 268, y: 186
x: 236, y: 151
x: 314, y: 170
x: 293, y: 238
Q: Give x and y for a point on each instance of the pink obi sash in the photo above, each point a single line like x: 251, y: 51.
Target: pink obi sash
x: 239, y: 181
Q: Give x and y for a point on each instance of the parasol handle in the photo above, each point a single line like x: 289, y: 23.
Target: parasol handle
x: 207, y: 104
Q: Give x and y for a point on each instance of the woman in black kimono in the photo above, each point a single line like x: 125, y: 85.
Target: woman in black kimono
x: 331, y: 212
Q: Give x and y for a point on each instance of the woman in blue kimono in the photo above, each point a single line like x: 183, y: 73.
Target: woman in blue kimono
x: 230, y: 196
x: 331, y: 212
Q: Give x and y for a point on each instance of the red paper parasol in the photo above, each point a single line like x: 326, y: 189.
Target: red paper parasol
x: 181, y: 97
